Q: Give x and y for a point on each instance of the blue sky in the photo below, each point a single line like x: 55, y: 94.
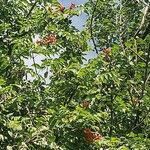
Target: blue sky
x: 68, y: 2
x: 78, y: 22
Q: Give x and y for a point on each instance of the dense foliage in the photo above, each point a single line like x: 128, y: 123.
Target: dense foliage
x: 65, y: 101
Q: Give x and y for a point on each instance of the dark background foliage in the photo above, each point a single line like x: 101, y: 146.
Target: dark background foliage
x: 108, y: 94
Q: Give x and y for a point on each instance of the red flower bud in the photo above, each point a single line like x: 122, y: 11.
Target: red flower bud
x: 85, y: 104
x: 62, y: 8
x: 72, y: 6
x: 50, y: 39
x: 91, y: 136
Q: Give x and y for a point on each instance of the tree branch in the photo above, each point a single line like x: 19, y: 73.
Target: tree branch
x: 146, y: 73
x: 111, y: 115
x: 142, y: 1
x: 91, y: 28
x: 138, y: 55
x: 145, y: 79
x: 140, y: 122
x: 142, y: 21
x: 71, y: 95
x: 30, y: 11
x: 34, y: 64
x: 146, y: 32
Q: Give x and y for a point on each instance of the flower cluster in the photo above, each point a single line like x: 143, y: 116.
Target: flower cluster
x: 50, y: 39
x: 62, y: 8
x: 72, y: 6
x: 107, y: 51
x: 85, y: 104
x: 91, y: 136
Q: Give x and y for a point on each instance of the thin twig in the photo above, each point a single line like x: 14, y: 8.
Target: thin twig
x: 138, y: 55
x: 140, y: 122
x: 135, y: 90
x: 120, y: 28
x: 111, y: 115
x: 146, y: 73
x: 34, y: 64
x: 91, y: 28
x: 148, y: 77
x: 142, y: 21
x: 130, y: 94
x: 142, y: 1
x: 38, y: 88
x: 138, y: 112
x: 72, y: 95
x: 31, y: 9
